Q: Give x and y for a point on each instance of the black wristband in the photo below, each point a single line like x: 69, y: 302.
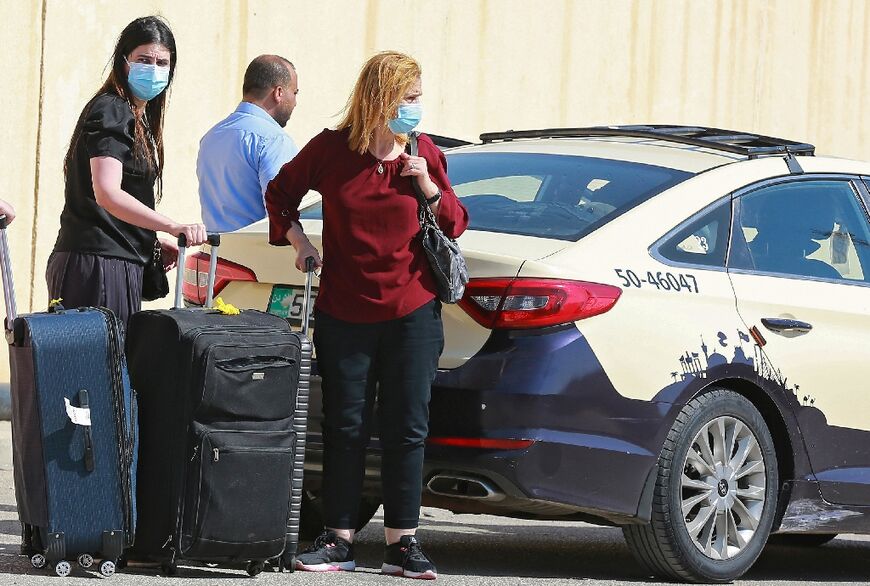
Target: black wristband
x: 434, y: 198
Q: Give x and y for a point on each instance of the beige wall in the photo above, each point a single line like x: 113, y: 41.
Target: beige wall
x: 793, y: 68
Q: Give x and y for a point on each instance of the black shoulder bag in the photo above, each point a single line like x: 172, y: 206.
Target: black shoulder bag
x: 155, y: 285
x: 445, y: 257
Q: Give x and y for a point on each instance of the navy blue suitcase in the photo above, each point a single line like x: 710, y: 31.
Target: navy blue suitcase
x: 73, y: 432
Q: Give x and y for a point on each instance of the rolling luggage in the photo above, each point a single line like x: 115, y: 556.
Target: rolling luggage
x: 73, y: 432
x: 223, y: 409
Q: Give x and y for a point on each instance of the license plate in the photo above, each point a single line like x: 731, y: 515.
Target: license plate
x: 286, y: 302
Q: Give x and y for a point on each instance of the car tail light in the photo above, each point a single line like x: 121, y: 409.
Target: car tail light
x: 481, y: 442
x: 196, y: 276
x: 523, y: 303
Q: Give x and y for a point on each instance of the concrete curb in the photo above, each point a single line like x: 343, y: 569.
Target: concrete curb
x: 5, y: 405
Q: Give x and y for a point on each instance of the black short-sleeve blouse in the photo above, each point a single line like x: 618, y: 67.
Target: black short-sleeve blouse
x: 107, y: 131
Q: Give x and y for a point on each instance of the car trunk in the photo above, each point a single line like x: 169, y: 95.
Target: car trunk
x: 488, y: 254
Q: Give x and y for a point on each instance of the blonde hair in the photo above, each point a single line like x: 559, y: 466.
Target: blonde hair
x: 380, y: 88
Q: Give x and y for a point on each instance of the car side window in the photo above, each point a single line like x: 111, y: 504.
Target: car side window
x: 810, y: 228
x: 703, y: 240
x: 312, y: 212
x: 515, y: 187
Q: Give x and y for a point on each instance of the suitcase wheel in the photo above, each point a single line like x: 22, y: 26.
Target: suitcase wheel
x: 38, y: 561
x: 107, y: 568
x: 86, y: 560
x: 62, y: 568
x: 286, y: 562
x: 290, y: 564
x: 255, y: 568
x: 169, y: 568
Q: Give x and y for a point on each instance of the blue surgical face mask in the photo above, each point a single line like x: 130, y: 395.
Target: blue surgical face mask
x: 147, y: 81
x: 407, y: 119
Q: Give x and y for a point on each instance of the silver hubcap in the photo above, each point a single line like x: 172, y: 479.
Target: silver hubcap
x: 723, y: 487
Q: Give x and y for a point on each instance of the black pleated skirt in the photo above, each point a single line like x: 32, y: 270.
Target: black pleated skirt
x: 81, y: 280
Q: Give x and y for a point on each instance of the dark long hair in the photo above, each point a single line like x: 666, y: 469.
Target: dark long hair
x: 142, y: 31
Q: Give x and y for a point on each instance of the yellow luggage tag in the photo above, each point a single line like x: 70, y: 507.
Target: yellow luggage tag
x: 225, y: 308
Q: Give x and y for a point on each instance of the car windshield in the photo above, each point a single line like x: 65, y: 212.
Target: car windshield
x: 551, y: 196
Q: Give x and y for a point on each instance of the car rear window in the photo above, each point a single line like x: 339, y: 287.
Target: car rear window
x: 563, y: 197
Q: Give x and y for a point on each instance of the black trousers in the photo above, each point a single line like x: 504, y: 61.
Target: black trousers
x: 391, y: 364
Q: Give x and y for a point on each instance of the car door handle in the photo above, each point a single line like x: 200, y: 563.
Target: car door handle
x: 777, y: 324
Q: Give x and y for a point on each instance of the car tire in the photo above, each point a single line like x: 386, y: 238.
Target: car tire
x: 311, y: 521
x: 691, y: 510
x: 801, y: 539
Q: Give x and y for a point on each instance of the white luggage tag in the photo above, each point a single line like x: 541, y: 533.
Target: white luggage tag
x: 78, y: 415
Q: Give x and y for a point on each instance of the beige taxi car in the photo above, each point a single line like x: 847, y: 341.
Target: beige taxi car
x: 666, y: 329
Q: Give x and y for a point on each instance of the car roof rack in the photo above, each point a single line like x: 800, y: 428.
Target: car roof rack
x: 741, y: 143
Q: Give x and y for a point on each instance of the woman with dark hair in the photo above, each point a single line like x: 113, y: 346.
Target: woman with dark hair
x: 108, y: 225
x: 379, y: 333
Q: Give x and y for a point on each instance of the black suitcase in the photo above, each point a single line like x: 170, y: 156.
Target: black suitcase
x: 73, y: 432
x: 223, y: 405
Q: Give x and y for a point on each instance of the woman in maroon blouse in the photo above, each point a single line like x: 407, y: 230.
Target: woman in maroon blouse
x: 379, y: 331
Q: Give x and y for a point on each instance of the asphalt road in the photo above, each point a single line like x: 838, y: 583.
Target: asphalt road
x: 469, y: 550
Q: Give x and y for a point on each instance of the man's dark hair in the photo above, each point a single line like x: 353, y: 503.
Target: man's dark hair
x: 264, y: 73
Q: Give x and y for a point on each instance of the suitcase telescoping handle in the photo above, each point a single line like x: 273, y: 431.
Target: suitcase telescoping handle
x: 306, y: 301
x: 214, y: 241
x: 8, y: 284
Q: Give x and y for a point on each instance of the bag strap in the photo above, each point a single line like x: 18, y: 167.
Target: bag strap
x: 425, y: 214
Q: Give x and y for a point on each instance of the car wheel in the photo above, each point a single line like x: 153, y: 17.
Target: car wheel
x: 311, y: 522
x: 715, y: 493
x: 801, y: 539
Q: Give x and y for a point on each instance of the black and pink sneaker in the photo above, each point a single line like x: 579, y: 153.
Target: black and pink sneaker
x: 406, y: 558
x: 328, y: 553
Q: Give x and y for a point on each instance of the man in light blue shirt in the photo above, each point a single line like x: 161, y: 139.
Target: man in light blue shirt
x: 242, y: 153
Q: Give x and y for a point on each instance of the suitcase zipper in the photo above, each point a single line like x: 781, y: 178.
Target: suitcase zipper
x: 194, y: 333
x: 124, y: 426
x: 217, y: 452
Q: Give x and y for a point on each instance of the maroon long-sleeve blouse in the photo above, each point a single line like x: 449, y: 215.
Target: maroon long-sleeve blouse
x: 374, y: 266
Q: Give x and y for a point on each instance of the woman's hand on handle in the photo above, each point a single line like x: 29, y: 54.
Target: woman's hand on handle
x: 195, y: 233
x: 303, y: 247
x: 106, y: 175
x: 304, y: 252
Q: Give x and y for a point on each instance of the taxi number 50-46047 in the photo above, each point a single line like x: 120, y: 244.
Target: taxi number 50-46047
x: 660, y: 280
